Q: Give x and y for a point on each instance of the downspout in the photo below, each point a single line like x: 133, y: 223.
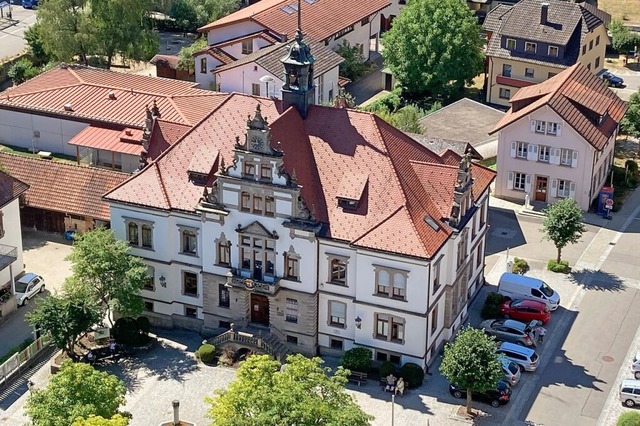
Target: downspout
x: 489, y: 81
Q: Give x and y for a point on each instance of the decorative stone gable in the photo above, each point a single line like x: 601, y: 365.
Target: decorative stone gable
x: 462, y: 197
x: 256, y: 228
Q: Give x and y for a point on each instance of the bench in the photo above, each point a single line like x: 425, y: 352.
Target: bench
x: 358, y: 378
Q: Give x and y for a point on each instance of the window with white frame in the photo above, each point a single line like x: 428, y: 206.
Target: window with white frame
x: 189, y: 284
x: 541, y: 126
x: 522, y: 150
x: 511, y: 44
x: 543, y: 153
x: 552, y: 128
x: 564, y: 188
x: 530, y: 47
x: 188, y: 241
x: 137, y: 229
x: 338, y: 270
x: 337, y: 314
x: 391, y: 282
x: 247, y: 47
x: 529, y: 72
x: 291, y: 314
x: 519, y: 181
x: 506, y: 70
x: 565, y: 157
x: 553, y: 51
x: 389, y: 328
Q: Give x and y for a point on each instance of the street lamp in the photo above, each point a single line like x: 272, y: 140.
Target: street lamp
x: 163, y: 281
x: 267, y: 79
x: 358, y: 322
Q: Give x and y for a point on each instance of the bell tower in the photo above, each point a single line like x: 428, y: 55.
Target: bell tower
x: 298, y: 89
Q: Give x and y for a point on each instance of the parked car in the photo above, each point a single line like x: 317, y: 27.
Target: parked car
x: 28, y: 286
x: 635, y: 366
x: 526, y: 358
x: 510, y: 369
x: 496, y: 397
x: 516, y: 286
x: 525, y: 310
x: 29, y: 4
x: 611, y: 79
x: 630, y: 392
x: 512, y: 331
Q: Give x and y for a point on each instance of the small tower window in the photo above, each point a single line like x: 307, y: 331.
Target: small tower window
x: 249, y: 169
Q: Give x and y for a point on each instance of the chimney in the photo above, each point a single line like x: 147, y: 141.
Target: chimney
x: 284, y: 37
x: 176, y: 412
x: 544, y: 12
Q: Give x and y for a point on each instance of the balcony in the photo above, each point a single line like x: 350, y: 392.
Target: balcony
x: 513, y: 82
x: 244, y: 278
x: 8, y: 255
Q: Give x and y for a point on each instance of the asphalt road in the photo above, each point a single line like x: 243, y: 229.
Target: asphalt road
x: 12, y: 32
x: 16, y: 329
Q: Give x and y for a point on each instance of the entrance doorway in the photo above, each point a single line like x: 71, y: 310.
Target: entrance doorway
x: 259, y: 309
x: 541, y: 189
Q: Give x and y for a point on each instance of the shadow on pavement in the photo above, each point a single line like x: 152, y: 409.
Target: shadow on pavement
x: 36, y: 239
x: 597, y: 280
x: 504, y: 232
x: 18, y: 386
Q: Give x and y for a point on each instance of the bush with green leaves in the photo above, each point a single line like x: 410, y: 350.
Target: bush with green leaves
x: 357, y: 359
x: 387, y: 368
x: 520, y: 266
x: 630, y: 418
x: 412, y: 374
x: 491, y: 307
x: 22, y: 70
x: 558, y: 267
x: 355, y: 64
x: 127, y: 330
x: 206, y: 353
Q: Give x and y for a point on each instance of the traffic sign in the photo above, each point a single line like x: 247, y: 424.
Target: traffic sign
x: 609, y: 202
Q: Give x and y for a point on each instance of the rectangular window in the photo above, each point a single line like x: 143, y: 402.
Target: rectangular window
x: 563, y: 188
x: 504, y: 93
x: 337, y: 314
x: 223, y: 296
x: 553, y: 51
x: 482, y: 217
x: 543, y: 153
x: 584, y: 49
x: 565, y: 157
x: 132, y: 234
x: 530, y: 47
x: 149, y: 284
x: 265, y: 171
x: 255, y: 89
x: 292, y: 310
x: 518, y: 181
x: 147, y: 239
x: 245, y: 204
x: 337, y: 344
x: 479, y: 256
x: 190, y: 284
x: 511, y: 44
x: 148, y: 306
x: 247, y: 47
x: 391, y: 282
x: 364, y: 21
x: 321, y: 89
x: 249, y: 169
x: 434, y: 319
x: 541, y: 126
x: 436, y: 276
x: 382, y: 328
x: 591, y: 45
x: 552, y: 128
x: 292, y: 266
x: 462, y: 248
x: 191, y: 312
x: 528, y: 72
x: 589, y: 66
x: 203, y: 65
x: 338, y: 274
x: 257, y: 204
x: 292, y: 339
x: 506, y: 70
x: 522, y: 150
x: 189, y: 241
x: 597, y: 62
x: 389, y: 328
x: 597, y: 40
x: 269, y: 206
x: 224, y: 253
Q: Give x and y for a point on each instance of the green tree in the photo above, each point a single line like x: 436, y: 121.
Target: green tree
x: 471, y: 362
x: 76, y: 391
x: 302, y: 392
x: 104, y: 271
x: 65, y: 317
x: 622, y: 39
x: 115, y: 420
x: 65, y: 29
x: 187, y: 61
x: 211, y: 10
x: 563, y: 224
x: 631, y: 121
x: 185, y: 15
x: 434, y: 47
x: 33, y: 37
x: 22, y: 70
x: 630, y: 418
x: 354, y: 65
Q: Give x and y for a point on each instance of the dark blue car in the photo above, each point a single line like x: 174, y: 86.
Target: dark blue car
x: 29, y: 4
x: 612, y: 80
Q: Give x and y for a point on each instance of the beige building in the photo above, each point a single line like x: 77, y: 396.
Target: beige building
x: 532, y: 41
x: 558, y: 138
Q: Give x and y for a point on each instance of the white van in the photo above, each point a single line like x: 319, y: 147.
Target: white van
x: 630, y: 392
x: 516, y: 286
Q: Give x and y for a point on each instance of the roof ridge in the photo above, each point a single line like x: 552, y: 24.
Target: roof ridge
x: 179, y: 111
x: 73, y: 72
x: 162, y: 186
x: 428, y: 163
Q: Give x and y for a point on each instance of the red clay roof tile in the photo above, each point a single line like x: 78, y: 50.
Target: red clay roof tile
x: 109, y: 140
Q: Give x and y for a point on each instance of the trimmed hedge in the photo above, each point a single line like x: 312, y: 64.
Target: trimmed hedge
x: 357, y: 359
x: 562, y: 267
x: 128, y: 330
x: 387, y: 368
x: 630, y: 418
x: 491, y: 307
x: 206, y: 353
x: 412, y: 374
x: 520, y: 266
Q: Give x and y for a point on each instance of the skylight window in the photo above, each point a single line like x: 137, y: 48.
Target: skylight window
x: 293, y: 6
x: 432, y: 223
x: 310, y: 1
x: 287, y: 10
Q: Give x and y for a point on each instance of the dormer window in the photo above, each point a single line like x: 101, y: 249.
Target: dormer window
x: 351, y: 190
x: 553, y: 51
x: 347, y: 204
x: 198, y: 178
x: 530, y: 47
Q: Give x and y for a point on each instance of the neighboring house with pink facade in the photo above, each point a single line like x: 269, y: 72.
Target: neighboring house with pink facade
x: 557, y: 140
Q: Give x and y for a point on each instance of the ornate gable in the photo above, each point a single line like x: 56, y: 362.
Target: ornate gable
x: 256, y: 228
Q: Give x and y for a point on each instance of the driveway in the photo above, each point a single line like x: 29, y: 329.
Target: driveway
x: 12, y: 31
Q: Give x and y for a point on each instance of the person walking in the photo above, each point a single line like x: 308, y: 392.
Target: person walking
x: 541, y: 332
x: 400, y: 387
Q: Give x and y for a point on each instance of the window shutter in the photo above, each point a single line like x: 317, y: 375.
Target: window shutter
x: 530, y: 151
x: 554, y: 158
x: 527, y: 184
x: 510, y: 180
x: 514, y: 147
x: 554, y: 188
x: 572, y: 190
x: 574, y: 159
x: 533, y: 126
x: 559, y: 130
x: 534, y: 155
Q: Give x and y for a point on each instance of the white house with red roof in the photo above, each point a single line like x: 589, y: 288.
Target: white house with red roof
x: 308, y: 228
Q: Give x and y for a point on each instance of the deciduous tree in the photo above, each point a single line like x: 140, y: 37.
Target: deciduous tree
x: 354, y: 65
x: 104, y: 271
x: 563, y: 224
x: 622, y: 39
x: 186, y: 61
x: 115, y: 420
x: 33, y: 37
x: 77, y: 391
x: 631, y: 121
x: 434, y: 47
x: 66, y: 29
x: 302, y: 393
x: 471, y: 362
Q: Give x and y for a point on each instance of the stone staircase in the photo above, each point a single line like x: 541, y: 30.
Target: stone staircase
x: 265, y: 341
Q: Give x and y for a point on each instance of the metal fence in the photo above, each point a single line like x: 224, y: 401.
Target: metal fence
x: 20, y: 360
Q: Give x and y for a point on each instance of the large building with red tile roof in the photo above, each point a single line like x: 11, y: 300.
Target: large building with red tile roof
x: 558, y: 138
x: 325, y: 228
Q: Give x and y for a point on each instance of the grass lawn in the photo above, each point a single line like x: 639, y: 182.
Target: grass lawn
x: 26, y: 153
x: 626, y: 10
x: 489, y: 162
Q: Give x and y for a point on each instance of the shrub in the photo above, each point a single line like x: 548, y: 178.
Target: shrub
x: 631, y: 165
x: 206, y: 353
x: 520, y: 266
x: 412, y: 374
x: 491, y: 307
x: 387, y: 368
x: 561, y: 267
x: 143, y: 325
x: 357, y: 359
x: 630, y: 418
x: 127, y: 330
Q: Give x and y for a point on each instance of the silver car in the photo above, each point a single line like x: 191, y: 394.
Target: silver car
x: 28, y: 286
x: 635, y: 366
x: 513, y: 331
